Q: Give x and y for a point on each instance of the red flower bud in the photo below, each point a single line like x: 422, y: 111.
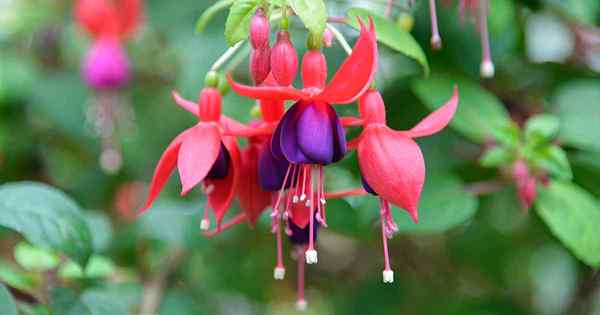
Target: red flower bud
x: 371, y: 107
x: 259, y: 30
x: 526, y: 184
x: 210, y: 104
x: 314, y: 69
x: 260, y: 64
x: 327, y: 38
x: 284, y: 60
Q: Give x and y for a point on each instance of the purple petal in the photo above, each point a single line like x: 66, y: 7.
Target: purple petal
x: 105, y: 65
x: 366, y: 186
x: 340, y: 148
x: 288, y: 138
x: 220, y: 168
x: 272, y: 170
x: 300, y: 235
x: 315, y: 134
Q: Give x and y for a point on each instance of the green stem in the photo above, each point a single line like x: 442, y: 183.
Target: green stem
x: 340, y: 38
x: 225, y: 57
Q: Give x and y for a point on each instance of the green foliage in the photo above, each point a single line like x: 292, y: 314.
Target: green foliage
x: 46, y: 217
x: 479, y: 115
x: 7, y: 304
x: 392, y: 35
x: 313, y: 14
x: 573, y: 215
x: 209, y: 13
x: 237, y: 26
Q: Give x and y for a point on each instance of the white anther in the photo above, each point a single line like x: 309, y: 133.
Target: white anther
x: 301, y: 305
x: 323, y: 201
x: 204, y: 225
x: 209, y: 189
x: 311, y: 256
x: 279, y: 273
x: 295, y: 199
x: 487, y: 69
x: 308, y: 203
x: 302, y: 197
x: 388, y: 276
x: 436, y: 42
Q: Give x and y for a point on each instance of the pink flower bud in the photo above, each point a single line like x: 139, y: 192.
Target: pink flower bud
x: 259, y: 30
x: 106, y: 65
x: 327, y: 38
x: 209, y: 104
x: 314, y: 69
x: 260, y: 64
x: 526, y: 184
x: 284, y: 60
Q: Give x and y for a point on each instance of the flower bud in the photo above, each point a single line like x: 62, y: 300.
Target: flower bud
x: 260, y: 64
x: 106, y: 65
x: 526, y: 184
x: 284, y: 60
x: 314, y: 69
x: 209, y: 104
x: 371, y: 107
x: 259, y: 30
x: 327, y: 38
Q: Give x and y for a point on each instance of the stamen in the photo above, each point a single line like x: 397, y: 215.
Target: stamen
x: 321, y: 197
x: 311, y: 253
x: 388, y: 274
x: 285, y: 178
x: 279, y: 271
x: 487, y: 66
x: 436, y: 40
x: 301, y: 302
x: 205, y: 222
x: 208, y: 189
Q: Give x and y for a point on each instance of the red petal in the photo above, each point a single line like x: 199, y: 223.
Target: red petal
x: 356, y: 73
x: 224, y: 189
x: 93, y: 15
x: 163, y: 170
x: 131, y: 13
x: 198, y: 153
x: 253, y: 199
x: 437, y: 120
x: 275, y: 93
x: 300, y: 214
x: 393, y: 166
x: 185, y: 104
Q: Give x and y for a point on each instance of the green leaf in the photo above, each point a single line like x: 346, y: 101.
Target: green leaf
x: 577, y: 108
x: 98, y: 267
x: 444, y: 205
x: 17, y: 278
x: 573, y: 216
x: 209, y: 13
x: 34, y: 258
x: 237, y: 26
x: 508, y: 135
x: 313, y: 14
x: 480, y: 116
x: 7, y: 303
x: 46, y: 217
x: 183, y: 222
x: 112, y: 300
x: 541, y: 127
x: 554, y: 160
x: 497, y: 156
x: 392, y: 35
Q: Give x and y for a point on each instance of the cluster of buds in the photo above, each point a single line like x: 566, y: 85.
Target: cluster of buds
x: 283, y: 165
x: 479, y: 10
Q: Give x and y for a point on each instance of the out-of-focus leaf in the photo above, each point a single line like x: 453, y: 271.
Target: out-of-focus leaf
x: 313, y: 14
x: 7, y: 304
x: 544, y: 126
x: 16, y: 78
x: 391, y: 35
x: 573, y: 216
x: 553, y: 159
x: 110, y: 300
x: 508, y: 135
x: 209, y: 13
x: 34, y: 258
x: 100, y: 228
x: 17, y: 278
x: 98, y: 267
x: 496, y: 156
x: 178, y: 303
x: 479, y: 112
x: 46, y: 217
x: 444, y: 205
x: 182, y: 218
x: 237, y: 25
x: 579, y: 113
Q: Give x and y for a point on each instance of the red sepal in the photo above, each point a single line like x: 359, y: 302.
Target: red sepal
x: 199, y: 151
x: 223, y: 192
x: 275, y: 93
x: 185, y: 104
x: 435, y: 121
x: 253, y: 199
x: 356, y: 73
x: 393, y: 165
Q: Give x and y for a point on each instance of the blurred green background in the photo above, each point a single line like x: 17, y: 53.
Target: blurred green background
x: 475, y: 250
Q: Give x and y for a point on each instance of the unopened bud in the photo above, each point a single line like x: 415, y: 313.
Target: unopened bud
x: 260, y: 64
x: 259, y: 30
x: 327, y: 38
x: 284, y: 60
x: 314, y: 69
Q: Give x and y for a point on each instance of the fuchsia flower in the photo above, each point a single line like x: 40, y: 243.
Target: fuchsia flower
x: 260, y: 57
x: 109, y: 23
x: 310, y: 134
x: 391, y: 163
x: 202, y: 153
x: 526, y: 184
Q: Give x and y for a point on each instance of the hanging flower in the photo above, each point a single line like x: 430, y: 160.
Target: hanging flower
x: 202, y: 153
x: 526, y: 184
x: 311, y: 133
x: 391, y: 163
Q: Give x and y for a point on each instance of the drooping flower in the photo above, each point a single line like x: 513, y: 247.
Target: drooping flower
x: 202, y: 153
x: 479, y: 9
x: 109, y: 23
x: 311, y: 133
x: 391, y: 163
